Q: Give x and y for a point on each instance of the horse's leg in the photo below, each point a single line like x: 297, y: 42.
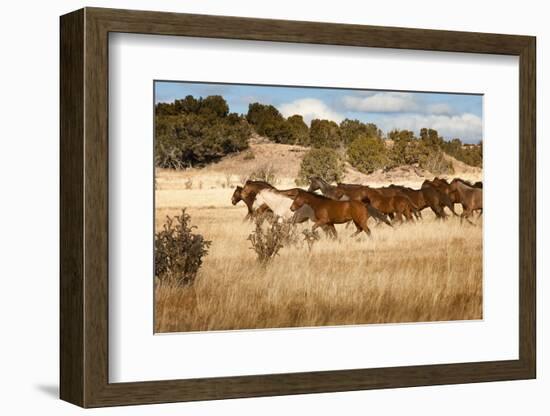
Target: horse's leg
x: 408, y: 215
x: 332, y: 230
x: 466, y: 214
x: 364, y: 226
x: 327, y: 231
x: 442, y: 213
x: 399, y: 217
x: 358, y: 230
x: 319, y: 223
x: 436, y: 212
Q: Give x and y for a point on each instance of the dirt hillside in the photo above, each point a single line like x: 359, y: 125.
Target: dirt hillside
x: 285, y: 161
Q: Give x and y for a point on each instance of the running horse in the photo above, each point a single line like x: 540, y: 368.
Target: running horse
x: 329, y: 212
x: 428, y: 197
x: 279, y: 202
x: 470, y: 197
x: 247, y: 194
x: 381, y: 201
x: 343, y: 192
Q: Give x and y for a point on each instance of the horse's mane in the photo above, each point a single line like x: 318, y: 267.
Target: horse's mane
x: 251, y: 182
x: 287, y: 190
x: 349, y: 184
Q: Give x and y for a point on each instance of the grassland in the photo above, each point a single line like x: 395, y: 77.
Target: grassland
x: 427, y: 271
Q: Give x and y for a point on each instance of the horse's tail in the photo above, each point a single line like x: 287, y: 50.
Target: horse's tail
x: 373, y: 212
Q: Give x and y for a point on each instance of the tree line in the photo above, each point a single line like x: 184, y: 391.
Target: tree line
x: 198, y: 131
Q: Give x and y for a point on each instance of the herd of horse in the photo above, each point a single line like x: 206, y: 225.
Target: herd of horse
x: 343, y: 203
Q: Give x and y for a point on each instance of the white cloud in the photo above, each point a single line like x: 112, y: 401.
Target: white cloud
x: 439, y: 108
x: 309, y: 109
x: 382, y: 102
x: 468, y: 127
x: 394, y: 102
x: 405, y: 112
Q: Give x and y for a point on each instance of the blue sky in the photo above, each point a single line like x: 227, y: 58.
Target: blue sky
x: 452, y: 115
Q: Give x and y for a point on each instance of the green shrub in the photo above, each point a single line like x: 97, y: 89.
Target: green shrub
x: 323, y: 162
x: 268, y: 121
x: 404, y: 150
x: 431, y: 138
x: 214, y: 105
x: 299, y: 131
x: 187, y: 105
x: 433, y: 160
x: 367, y: 154
x: 353, y: 129
x: 469, y: 154
x: 178, y: 251
x: 427, y: 151
x: 193, y: 132
x: 324, y: 133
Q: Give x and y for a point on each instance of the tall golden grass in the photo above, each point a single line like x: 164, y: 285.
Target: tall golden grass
x: 427, y: 271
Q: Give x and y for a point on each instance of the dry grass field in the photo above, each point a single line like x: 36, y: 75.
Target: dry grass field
x: 424, y: 271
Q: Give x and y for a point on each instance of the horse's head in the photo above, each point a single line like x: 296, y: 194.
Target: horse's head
x: 427, y: 183
x: 454, y: 184
x: 454, y: 191
x: 236, y: 195
x: 440, y: 182
x: 314, y: 183
x: 298, y: 202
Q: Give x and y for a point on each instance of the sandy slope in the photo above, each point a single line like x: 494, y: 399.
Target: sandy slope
x: 285, y: 161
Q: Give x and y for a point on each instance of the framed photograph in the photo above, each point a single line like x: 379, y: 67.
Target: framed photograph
x: 255, y: 207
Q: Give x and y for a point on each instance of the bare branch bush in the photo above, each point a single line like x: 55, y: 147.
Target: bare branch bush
x: 179, y: 251
x: 311, y: 237
x: 265, y: 173
x: 268, y: 240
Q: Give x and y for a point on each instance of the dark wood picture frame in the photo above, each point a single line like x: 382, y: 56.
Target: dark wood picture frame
x: 84, y: 207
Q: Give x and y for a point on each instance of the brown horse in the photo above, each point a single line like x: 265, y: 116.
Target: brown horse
x: 477, y: 184
x: 428, y: 197
x: 343, y: 192
x: 442, y: 193
x: 415, y: 204
x: 386, y: 200
x: 247, y: 194
x: 329, y: 212
x: 397, y: 204
x: 470, y: 197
